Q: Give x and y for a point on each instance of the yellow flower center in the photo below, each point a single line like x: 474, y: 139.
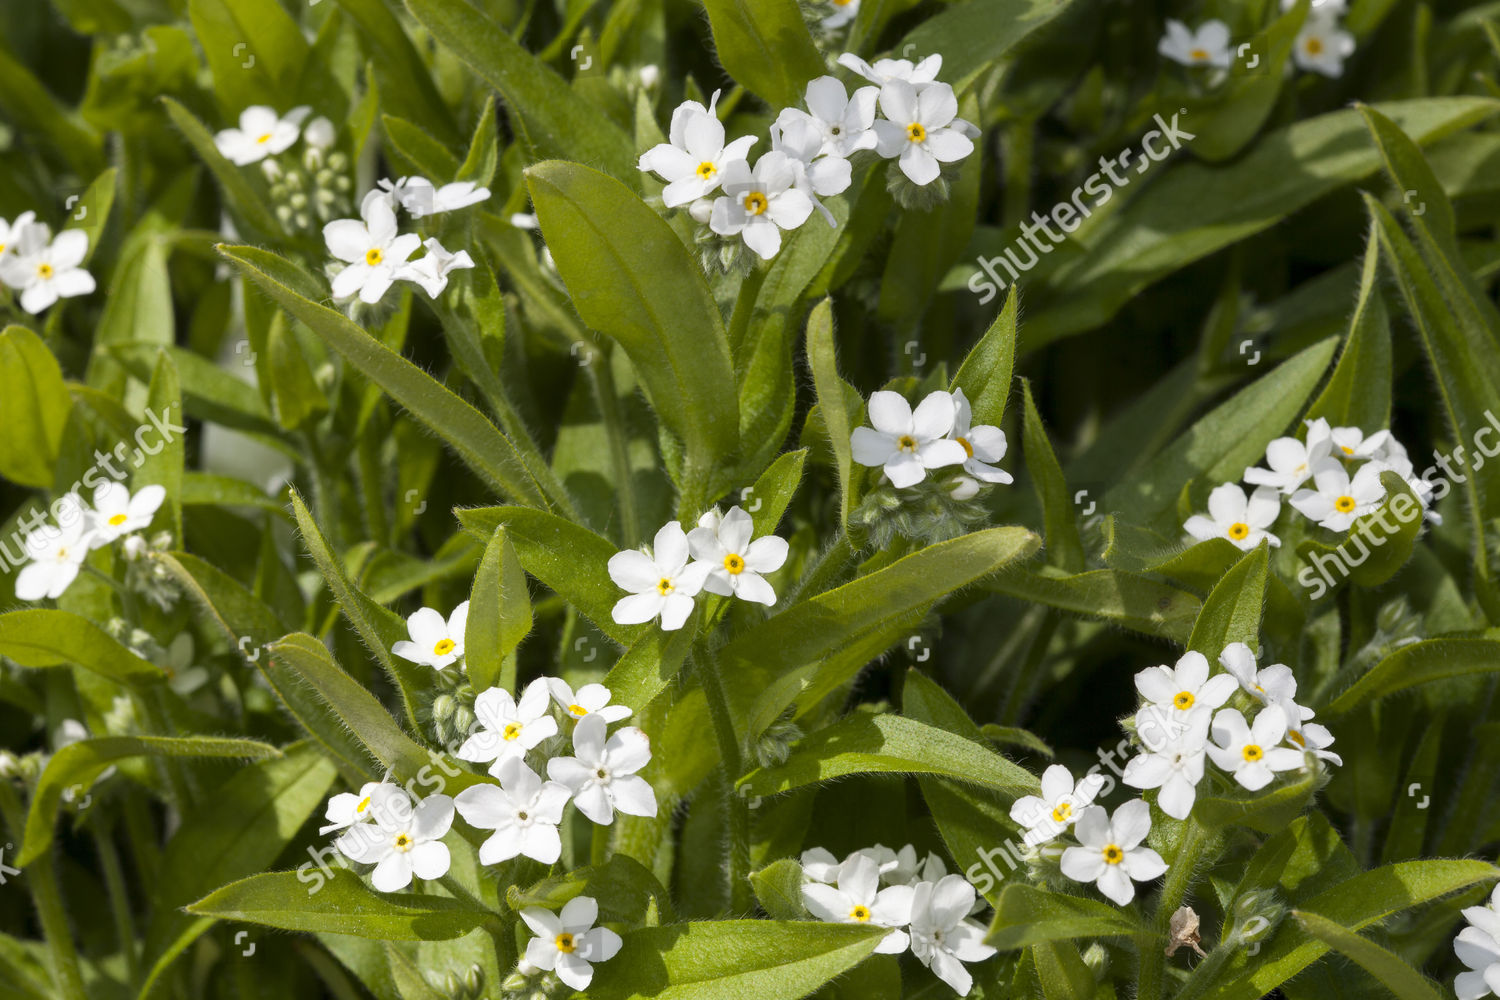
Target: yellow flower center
x: 116, y: 520
x: 1252, y: 753
x: 1062, y: 812
x: 1112, y: 854
x: 1239, y: 531
x: 842, y: 3
x: 705, y: 170
x: 860, y: 914
x: 664, y: 586
x: 1344, y: 504
x: 1314, y: 46
x: 916, y: 133
x: 1296, y: 738
x: 374, y: 256
x: 565, y: 943
x: 734, y: 564
x: 443, y: 647
x: 906, y: 443
x: 512, y: 731
x: 1183, y: 700
x: 755, y: 203
x: 1198, y: 55
x: 364, y: 804
x: 1343, y: 447
x: 968, y: 448
x: 404, y: 842
x: 44, y: 271
x: 262, y: 140
x: 577, y: 711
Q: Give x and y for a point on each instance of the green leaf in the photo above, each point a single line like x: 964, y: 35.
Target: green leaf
x: 164, y: 467
x: 766, y: 46
x: 631, y: 279
x: 985, y: 374
x: 406, y: 86
x: 1027, y: 915
x: 256, y: 52
x: 832, y: 392
x: 1059, y: 514
x: 1233, y: 608
x: 32, y: 107
x: 39, y: 637
x: 650, y: 665
x: 1390, y: 969
x: 1359, y: 392
x: 1420, y: 663
x: 552, y: 121
x: 768, y: 499
x: 888, y: 744
x: 78, y: 764
x: 499, y: 615
x: 732, y: 960
x: 1136, y: 602
x: 625, y: 890
x: 1268, y: 810
x: 778, y: 887
x: 341, y: 904
x: 34, y: 407
x: 971, y: 36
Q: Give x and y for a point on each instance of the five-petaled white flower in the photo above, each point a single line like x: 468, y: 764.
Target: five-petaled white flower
x: 601, y: 774
x: 845, y: 122
x: 591, y: 699
x: 941, y: 937
x: 421, y: 198
x: 661, y: 583
x: 261, y: 133
x: 921, y: 128
x: 1208, y: 45
x: 759, y: 203
x: 57, y: 553
x: 348, y: 808
x: 373, y: 250
x: 523, y: 810
x: 886, y: 70
x: 1338, y: 500
x: 402, y: 841
x: 1291, y: 462
x: 1110, y: 854
x: 567, y: 943
x: 1311, y: 737
x: 816, y: 175
x: 1478, y: 947
x: 435, y: 642
x: 1174, y: 764
x: 116, y: 512
x: 907, y: 443
x: 1186, y: 686
x: 735, y: 562
x: 1275, y: 685
x: 509, y: 727
x: 431, y: 270
x: 44, y: 270
x: 693, y: 159
x: 1243, y: 520
x: 857, y: 898
x: 984, y: 444
x: 1252, y: 751
x: 1059, y: 805
x: 1322, y: 46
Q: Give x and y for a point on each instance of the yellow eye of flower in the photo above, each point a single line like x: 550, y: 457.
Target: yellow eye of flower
x: 755, y: 203
x: 1343, y: 447
x: 1344, y: 504
x: 1296, y: 738
x: 262, y: 140
x: 1062, y: 812
x: 968, y: 448
x: 1112, y: 854
x: 512, y: 731
x: 1314, y: 46
x: 906, y: 442
x: 44, y: 271
x: 444, y: 647
x: 116, y: 520
x: 565, y: 943
x: 860, y: 914
x: 1252, y: 753
x: 734, y: 564
x: 664, y: 586
x: 374, y: 256
x: 577, y: 711
x: 916, y: 133
x: 706, y: 169
x: 403, y: 842
x: 1239, y: 530
x: 1183, y: 700
x: 364, y: 804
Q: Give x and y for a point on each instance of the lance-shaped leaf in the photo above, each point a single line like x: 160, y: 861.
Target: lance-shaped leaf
x: 499, y: 615
x: 766, y: 46
x: 1393, y: 971
x: 40, y: 637
x: 1422, y: 663
x: 1359, y: 392
x: 247, y: 201
x: 1233, y: 609
x: 1136, y: 602
x: 833, y: 393
x: 985, y: 374
x: 971, y: 36
x: 1027, y: 915
x: 1059, y: 513
x: 34, y: 406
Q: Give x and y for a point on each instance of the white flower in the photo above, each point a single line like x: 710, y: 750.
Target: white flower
x: 1175, y: 765
x: 886, y: 70
x: 402, y: 841
x: 591, y: 699
x: 858, y: 899
x: 660, y: 583
x: 1291, y: 462
x: 736, y: 563
x: 435, y: 642
x: 10, y: 232
x: 1350, y: 442
x: 844, y: 11
x: 44, y: 270
x: 262, y: 133
x: 758, y: 204
x: 941, y: 938
x: 1231, y: 515
x: 523, y: 810
x: 117, y: 512
x: 420, y: 198
x: 1059, y: 805
x: 1275, y: 685
x: 1250, y: 751
x: 820, y: 865
x: 432, y: 269
x: 1322, y: 46
x: 372, y: 248
x: 568, y: 943
x: 601, y: 774
x: 1312, y: 738
x: 649, y: 75
x: 510, y: 728
x: 799, y: 139
x: 1337, y: 500
x: 1478, y: 947
x: 921, y: 129
x: 845, y: 123
x: 984, y: 444
x: 57, y: 552
x: 1111, y: 855
x: 1206, y: 46
x: 903, y: 867
x: 1186, y: 686
x: 906, y: 443
x: 692, y: 162
x: 348, y: 808
x: 319, y: 133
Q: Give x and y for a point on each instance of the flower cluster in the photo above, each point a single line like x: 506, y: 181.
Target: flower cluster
x: 720, y: 556
x: 811, y: 151
x: 1478, y: 947
x: 41, y: 268
x: 908, y: 443
x: 925, y: 908
x: 1321, y: 46
x: 57, y: 551
x: 1344, y: 465
x: 305, y: 190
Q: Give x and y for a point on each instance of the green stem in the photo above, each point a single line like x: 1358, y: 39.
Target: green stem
x: 1174, y: 890
x: 119, y: 900
x: 735, y: 807
x: 47, y: 895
